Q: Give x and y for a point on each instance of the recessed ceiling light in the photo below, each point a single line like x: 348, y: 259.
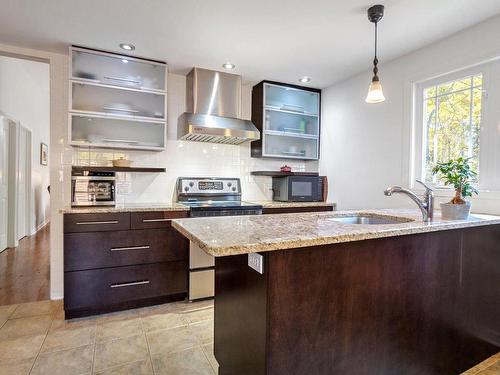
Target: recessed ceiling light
x: 228, y: 65
x: 305, y: 79
x: 127, y: 47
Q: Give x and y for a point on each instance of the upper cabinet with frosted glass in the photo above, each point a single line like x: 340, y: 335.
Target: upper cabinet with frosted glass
x: 116, y: 101
x: 288, y: 117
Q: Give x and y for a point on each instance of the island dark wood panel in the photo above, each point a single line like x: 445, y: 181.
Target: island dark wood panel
x: 426, y: 304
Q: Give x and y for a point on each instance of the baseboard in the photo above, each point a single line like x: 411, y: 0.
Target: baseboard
x: 41, y: 226
x: 56, y: 296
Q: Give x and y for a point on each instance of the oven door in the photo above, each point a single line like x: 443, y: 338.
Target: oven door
x: 93, y: 191
x: 304, y: 189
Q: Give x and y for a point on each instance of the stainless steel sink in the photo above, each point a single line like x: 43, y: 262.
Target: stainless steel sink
x: 367, y: 220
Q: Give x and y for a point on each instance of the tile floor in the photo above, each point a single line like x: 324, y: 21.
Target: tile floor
x: 170, y: 339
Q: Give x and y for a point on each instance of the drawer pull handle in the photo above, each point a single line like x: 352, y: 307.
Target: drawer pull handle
x: 154, y: 220
x: 130, y: 248
x: 97, y: 222
x: 122, y: 285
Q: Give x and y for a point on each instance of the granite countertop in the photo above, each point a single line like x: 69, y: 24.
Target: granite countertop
x: 128, y: 207
x: 221, y: 236
x: 275, y: 204
x: 173, y: 206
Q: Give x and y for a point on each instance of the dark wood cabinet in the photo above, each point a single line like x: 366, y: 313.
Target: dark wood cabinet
x: 289, y: 120
x: 423, y: 304
x: 100, y: 222
x: 110, y: 289
x: 155, y: 219
x: 121, y: 248
x: 116, y: 261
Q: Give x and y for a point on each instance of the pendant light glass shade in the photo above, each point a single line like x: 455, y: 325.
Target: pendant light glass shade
x: 375, y: 93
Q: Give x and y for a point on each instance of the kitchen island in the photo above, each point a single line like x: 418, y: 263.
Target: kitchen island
x: 406, y: 297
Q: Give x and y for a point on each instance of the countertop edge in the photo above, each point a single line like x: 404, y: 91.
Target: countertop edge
x: 342, y: 238
x: 180, y: 207
x: 102, y: 210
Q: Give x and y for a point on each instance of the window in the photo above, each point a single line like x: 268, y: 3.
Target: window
x: 452, y: 122
x: 458, y: 114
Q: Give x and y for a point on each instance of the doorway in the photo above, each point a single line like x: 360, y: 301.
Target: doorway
x: 24, y: 179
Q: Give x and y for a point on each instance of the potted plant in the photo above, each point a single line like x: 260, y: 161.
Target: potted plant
x: 457, y: 172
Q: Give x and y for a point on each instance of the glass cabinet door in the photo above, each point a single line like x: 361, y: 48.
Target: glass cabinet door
x: 117, y: 70
x: 291, y: 99
x: 291, y: 123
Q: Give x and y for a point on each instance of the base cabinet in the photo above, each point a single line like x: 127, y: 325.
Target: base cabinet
x: 119, y: 261
x: 424, y: 304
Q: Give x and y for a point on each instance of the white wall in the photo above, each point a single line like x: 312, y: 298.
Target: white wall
x: 366, y: 147
x: 24, y: 96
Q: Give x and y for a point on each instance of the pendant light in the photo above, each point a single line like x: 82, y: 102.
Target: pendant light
x: 375, y: 93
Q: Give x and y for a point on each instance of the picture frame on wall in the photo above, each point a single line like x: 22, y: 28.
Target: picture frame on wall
x: 44, y: 154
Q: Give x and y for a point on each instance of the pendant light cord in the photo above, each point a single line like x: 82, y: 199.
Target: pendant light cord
x: 375, y: 60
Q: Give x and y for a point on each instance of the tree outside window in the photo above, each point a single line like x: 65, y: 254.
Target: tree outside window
x: 452, y: 123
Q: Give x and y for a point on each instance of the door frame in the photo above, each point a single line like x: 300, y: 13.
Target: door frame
x: 5, y: 122
x: 15, y: 129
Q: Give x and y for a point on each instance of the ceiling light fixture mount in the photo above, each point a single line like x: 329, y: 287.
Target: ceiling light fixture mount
x: 375, y: 93
x: 305, y: 79
x: 127, y: 46
x: 228, y: 65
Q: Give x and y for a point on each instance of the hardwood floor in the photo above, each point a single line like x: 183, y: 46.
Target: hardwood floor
x: 24, y: 270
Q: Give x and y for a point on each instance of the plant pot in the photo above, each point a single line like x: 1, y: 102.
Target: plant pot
x: 450, y: 211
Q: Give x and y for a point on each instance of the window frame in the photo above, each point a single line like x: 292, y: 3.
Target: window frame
x: 486, y: 179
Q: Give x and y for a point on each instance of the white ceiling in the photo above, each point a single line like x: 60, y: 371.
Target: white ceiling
x: 266, y: 39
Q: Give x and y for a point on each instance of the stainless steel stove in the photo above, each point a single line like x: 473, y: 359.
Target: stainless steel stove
x: 209, y: 196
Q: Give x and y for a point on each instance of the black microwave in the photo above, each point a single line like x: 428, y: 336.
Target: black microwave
x: 298, y: 188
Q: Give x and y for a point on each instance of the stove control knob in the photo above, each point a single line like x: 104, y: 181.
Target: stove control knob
x: 229, y: 184
x: 186, y: 188
x: 191, y: 184
x: 234, y: 188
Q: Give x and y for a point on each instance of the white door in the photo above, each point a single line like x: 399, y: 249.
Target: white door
x: 4, y: 175
x: 22, y: 188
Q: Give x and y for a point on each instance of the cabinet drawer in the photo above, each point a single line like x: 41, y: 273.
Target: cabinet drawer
x: 157, y: 219
x: 94, y: 289
x: 121, y: 248
x: 96, y: 222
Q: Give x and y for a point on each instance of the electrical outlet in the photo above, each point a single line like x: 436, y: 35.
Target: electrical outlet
x: 256, y: 262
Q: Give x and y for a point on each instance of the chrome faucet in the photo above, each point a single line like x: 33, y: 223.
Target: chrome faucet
x: 426, y: 205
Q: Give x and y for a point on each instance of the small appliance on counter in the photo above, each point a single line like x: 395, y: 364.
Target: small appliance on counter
x: 207, y: 196
x: 300, y: 188
x: 92, y: 188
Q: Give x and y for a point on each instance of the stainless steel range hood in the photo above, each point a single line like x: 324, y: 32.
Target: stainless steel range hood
x: 213, y: 104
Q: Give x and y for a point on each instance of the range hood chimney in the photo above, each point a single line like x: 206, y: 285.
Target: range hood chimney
x: 213, y: 104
